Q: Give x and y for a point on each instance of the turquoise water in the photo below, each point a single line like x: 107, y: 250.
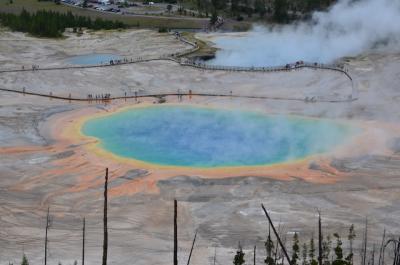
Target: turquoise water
x: 202, y: 137
x: 93, y: 59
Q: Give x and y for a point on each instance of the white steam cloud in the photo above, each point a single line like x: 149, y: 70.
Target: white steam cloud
x: 347, y: 29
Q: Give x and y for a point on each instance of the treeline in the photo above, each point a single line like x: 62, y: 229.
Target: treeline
x: 52, y: 24
x: 277, y: 10
x: 325, y: 250
x: 332, y: 252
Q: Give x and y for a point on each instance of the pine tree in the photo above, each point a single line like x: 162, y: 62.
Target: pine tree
x: 311, y: 252
x: 239, y: 257
x: 326, y: 250
x: 312, y: 5
x: 295, y: 249
x: 214, y: 17
x: 259, y: 7
x: 269, y: 247
x: 338, y: 251
x: 52, y: 24
x: 351, y: 237
x: 24, y: 260
x: 304, y: 254
x: 280, y: 11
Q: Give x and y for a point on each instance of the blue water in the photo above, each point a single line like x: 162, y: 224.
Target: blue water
x: 202, y: 137
x: 93, y: 59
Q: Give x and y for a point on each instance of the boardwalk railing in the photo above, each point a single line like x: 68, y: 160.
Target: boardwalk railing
x: 194, y: 48
x: 183, y: 61
x: 284, y: 68
x: 287, y: 67
x: 190, y: 94
x: 187, y: 62
x: 179, y: 58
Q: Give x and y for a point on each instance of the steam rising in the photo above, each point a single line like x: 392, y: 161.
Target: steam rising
x: 347, y: 29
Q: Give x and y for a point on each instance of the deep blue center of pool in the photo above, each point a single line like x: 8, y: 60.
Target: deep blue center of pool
x: 93, y: 59
x: 203, y: 137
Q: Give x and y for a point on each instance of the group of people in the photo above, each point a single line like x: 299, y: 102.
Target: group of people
x: 125, y: 60
x: 99, y: 96
x: 177, y: 34
x: 34, y: 67
x: 180, y: 94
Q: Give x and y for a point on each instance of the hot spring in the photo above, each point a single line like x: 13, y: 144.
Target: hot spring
x: 205, y: 137
x: 93, y: 59
x: 347, y: 28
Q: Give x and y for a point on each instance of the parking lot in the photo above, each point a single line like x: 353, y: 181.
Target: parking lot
x: 128, y: 8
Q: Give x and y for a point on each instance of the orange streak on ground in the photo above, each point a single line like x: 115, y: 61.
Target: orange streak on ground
x: 24, y: 149
x: 100, y: 158
x: 88, y: 162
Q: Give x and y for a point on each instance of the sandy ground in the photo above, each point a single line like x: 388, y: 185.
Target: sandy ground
x: 44, y: 163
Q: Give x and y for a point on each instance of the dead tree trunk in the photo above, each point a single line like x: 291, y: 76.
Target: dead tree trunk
x: 365, y: 242
x: 215, y: 255
x: 319, y: 239
x: 277, y: 245
x: 191, y: 249
x: 373, y: 255
x: 105, y: 240
x: 83, y: 241
x: 380, y: 261
x: 175, y: 233
x: 396, y: 250
x: 276, y: 234
x: 45, y: 240
x: 254, y: 258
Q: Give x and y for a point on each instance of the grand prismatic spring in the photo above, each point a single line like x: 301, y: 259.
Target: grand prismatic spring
x: 205, y: 137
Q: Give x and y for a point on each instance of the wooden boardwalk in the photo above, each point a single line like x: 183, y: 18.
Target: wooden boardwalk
x: 180, y: 59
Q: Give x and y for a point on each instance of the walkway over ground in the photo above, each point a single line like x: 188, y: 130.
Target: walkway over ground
x: 180, y: 59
